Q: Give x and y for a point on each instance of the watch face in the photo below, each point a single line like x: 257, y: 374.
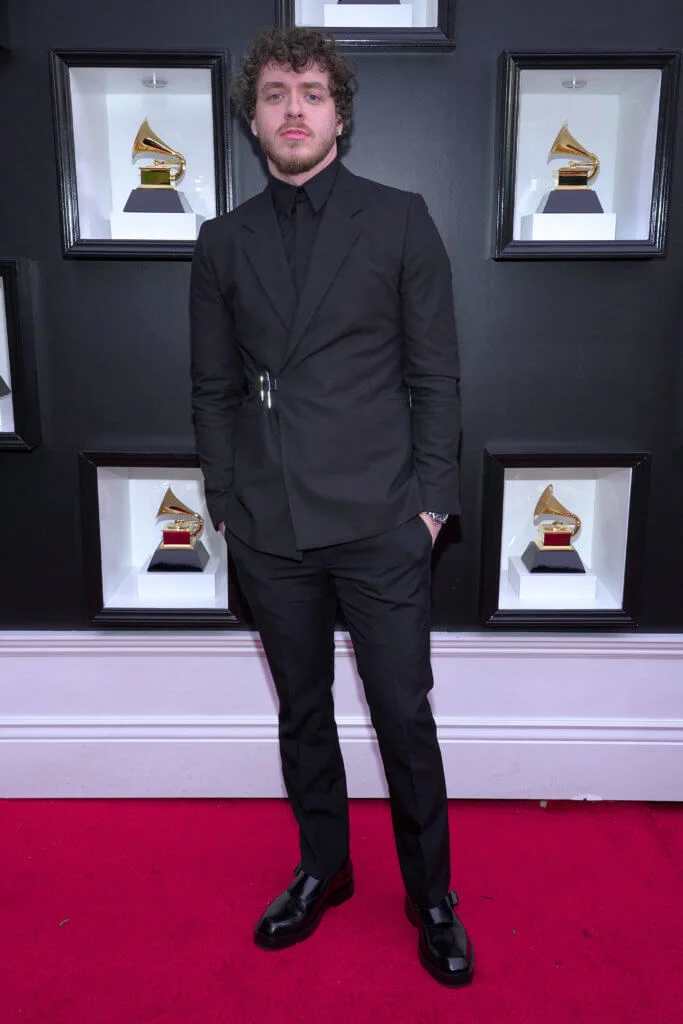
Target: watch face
x: 438, y: 517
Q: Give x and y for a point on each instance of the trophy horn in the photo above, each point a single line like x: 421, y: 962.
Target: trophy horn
x: 566, y: 145
x: 548, y: 505
x: 147, y: 141
x: 172, y: 506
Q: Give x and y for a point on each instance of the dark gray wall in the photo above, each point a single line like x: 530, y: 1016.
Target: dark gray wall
x: 111, y: 338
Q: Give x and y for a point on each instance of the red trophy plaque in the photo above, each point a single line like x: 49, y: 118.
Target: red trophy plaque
x: 552, y: 551
x: 180, y: 549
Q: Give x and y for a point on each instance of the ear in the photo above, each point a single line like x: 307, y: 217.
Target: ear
x: 254, y: 129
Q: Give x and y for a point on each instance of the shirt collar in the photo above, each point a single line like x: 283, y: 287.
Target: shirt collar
x: 317, y: 189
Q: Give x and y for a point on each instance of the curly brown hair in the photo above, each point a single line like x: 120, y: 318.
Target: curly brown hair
x: 296, y: 48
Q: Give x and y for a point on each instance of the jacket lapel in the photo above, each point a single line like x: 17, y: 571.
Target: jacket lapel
x: 264, y: 248
x: 337, y: 233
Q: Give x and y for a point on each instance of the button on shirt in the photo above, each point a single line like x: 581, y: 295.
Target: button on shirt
x: 299, y: 211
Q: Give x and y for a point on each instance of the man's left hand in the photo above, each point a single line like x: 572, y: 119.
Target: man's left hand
x: 431, y: 526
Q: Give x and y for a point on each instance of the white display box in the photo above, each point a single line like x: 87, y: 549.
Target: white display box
x: 108, y: 104
x: 153, y: 587
x: 561, y: 227
x: 612, y: 112
x: 600, y: 496
x: 368, y: 15
x: 6, y: 403
x: 542, y: 587
x: 407, y: 14
x: 162, y: 226
x: 129, y: 498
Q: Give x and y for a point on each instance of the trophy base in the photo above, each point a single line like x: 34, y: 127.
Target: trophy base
x: 185, y: 559
x: 156, y: 200
x: 572, y: 200
x: 365, y: 15
x: 537, y: 559
x: 562, y: 227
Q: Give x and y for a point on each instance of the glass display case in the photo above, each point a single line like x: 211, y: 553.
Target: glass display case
x: 143, y: 150
x: 585, y: 154
x: 562, y: 538
x: 19, y: 413
x: 381, y: 24
x: 152, y: 556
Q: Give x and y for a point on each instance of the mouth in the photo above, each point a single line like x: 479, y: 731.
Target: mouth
x: 295, y: 133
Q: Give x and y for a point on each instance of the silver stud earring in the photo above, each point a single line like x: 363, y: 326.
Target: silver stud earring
x: 339, y: 131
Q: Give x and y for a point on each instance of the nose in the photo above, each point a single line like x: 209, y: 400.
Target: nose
x: 294, y: 108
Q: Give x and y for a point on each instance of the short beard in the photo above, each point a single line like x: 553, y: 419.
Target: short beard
x: 294, y: 162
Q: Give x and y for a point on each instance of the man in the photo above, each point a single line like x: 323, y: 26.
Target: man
x: 324, y: 365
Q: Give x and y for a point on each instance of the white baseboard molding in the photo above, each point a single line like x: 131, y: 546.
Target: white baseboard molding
x: 103, y: 714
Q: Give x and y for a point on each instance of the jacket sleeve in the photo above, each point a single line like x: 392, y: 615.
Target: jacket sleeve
x: 430, y: 360
x: 217, y: 380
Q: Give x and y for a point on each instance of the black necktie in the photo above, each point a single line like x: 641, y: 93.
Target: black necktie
x: 304, y: 230
x: 298, y: 236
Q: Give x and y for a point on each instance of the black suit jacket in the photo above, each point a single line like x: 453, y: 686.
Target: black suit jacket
x: 362, y: 433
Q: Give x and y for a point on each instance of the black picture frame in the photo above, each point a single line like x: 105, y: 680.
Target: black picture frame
x: 495, y: 465
x: 511, y: 64
x: 441, y: 37
x: 4, y: 25
x: 236, y: 613
x: 61, y: 63
x: 23, y: 382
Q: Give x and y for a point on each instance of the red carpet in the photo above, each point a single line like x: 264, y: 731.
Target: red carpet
x: 141, y: 912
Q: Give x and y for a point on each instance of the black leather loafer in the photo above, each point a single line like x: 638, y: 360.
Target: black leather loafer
x: 443, y: 947
x: 297, y: 912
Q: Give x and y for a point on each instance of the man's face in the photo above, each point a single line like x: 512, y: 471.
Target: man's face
x: 296, y: 121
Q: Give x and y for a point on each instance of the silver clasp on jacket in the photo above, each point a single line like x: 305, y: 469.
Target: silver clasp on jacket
x: 267, y: 384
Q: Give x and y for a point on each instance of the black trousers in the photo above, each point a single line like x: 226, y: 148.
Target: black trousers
x: 382, y: 583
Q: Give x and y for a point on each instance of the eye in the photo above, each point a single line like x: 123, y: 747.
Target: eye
x: 314, y: 97
x: 273, y: 96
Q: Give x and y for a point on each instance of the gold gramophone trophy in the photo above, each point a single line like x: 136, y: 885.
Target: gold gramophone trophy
x: 552, y: 551
x: 4, y: 387
x: 180, y: 549
x: 572, y: 193
x: 157, y: 191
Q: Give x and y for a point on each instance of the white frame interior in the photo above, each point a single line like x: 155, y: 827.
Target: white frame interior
x: 129, y: 498
x: 6, y: 403
x: 328, y: 14
x: 108, y: 105
x: 600, y: 496
x: 614, y: 115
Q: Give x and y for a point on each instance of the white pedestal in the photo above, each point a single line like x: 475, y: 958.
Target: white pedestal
x: 368, y: 15
x: 166, y: 227
x: 156, y: 587
x: 569, y: 227
x: 6, y: 414
x: 547, y: 587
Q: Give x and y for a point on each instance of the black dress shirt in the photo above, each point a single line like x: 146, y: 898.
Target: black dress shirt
x: 299, y: 210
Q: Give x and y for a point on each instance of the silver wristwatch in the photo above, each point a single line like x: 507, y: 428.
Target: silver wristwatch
x: 438, y: 517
